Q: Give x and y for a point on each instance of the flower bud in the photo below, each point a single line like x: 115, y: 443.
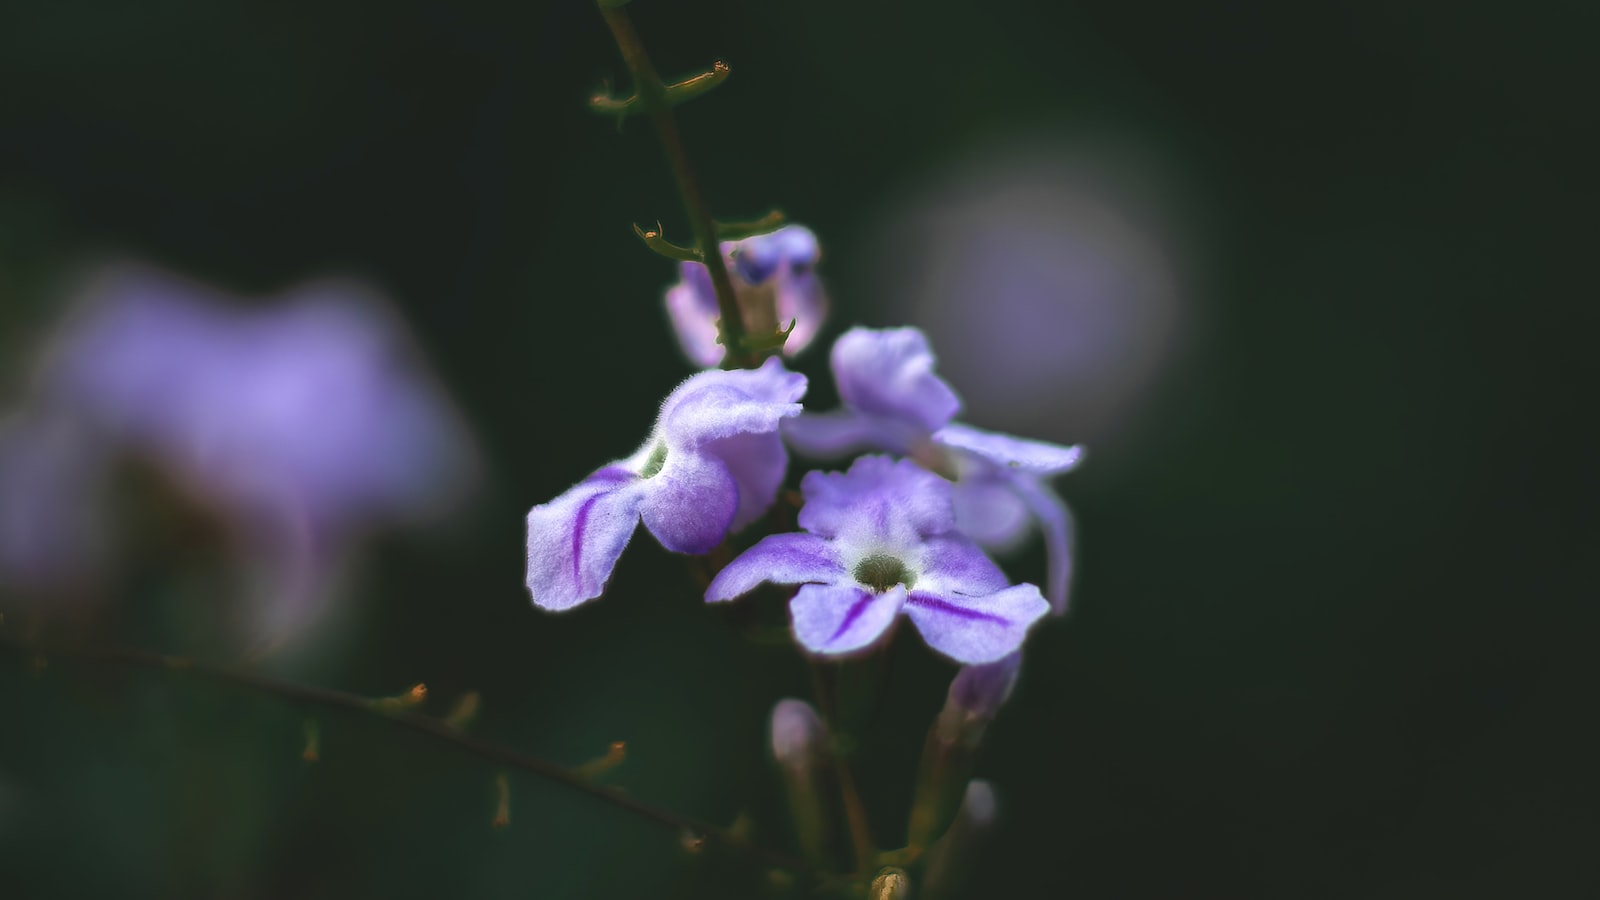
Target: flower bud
x: 978, y: 692
x: 891, y: 884
x: 975, y: 697
x: 800, y: 746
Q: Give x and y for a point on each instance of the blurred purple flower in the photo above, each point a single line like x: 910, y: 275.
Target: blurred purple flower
x: 773, y: 271
x: 893, y: 401
x: 49, y: 475
x: 713, y: 464
x: 881, y: 540
x: 304, y: 421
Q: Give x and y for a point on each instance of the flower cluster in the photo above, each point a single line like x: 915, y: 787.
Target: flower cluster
x: 902, y: 531
x: 894, y: 402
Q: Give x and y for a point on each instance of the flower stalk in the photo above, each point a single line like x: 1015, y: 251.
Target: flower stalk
x: 652, y: 93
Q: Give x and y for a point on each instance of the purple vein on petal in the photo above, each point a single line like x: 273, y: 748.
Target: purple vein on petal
x: 961, y: 612
x: 850, y: 617
x: 577, y: 537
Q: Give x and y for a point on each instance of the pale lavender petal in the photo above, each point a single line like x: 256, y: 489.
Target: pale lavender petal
x: 801, y: 300
x: 952, y: 564
x: 976, y: 630
x: 880, y: 501
x: 1055, y: 524
x: 689, y: 504
x: 574, y: 541
x: 758, y: 463
x: 51, y: 523
x: 717, y: 404
x: 980, y: 691
x: 889, y: 373
x: 694, y: 318
x: 780, y: 559
x: 831, y: 435
x: 989, y: 511
x: 760, y: 257
x: 1004, y: 451
x: 839, y: 618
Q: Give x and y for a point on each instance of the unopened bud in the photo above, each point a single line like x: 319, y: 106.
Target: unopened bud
x: 800, y: 746
x: 891, y: 884
x: 798, y: 735
x: 976, y: 695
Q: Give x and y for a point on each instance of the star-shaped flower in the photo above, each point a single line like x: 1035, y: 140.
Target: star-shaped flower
x: 713, y: 464
x: 880, y: 540
x: 894, y: 402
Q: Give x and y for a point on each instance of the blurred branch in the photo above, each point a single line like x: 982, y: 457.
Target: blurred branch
x: 438, y: 729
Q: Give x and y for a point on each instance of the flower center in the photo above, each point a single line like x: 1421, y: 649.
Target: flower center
x: 657, y: 459
x: 882, y: 572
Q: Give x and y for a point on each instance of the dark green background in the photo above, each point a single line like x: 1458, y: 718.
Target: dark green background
x: 1329, y: 641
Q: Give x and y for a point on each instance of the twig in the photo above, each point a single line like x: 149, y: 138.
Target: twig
x: 435, y: 728
x: 650, y: 90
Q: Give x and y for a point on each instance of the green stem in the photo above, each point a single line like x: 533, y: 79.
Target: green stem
x: 652, y: 93
x: 855, y: 811
x: 427, y: 725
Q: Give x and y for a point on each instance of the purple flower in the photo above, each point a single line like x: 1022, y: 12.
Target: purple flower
x: 773, y: 274
x: 893, y: 401
x: 303, y: 422
x: 314, y: 402
x: 50, y: 530
x: 881, y: 540
x: 713, y: 464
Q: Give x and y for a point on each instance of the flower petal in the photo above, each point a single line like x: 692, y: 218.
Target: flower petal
x: 718, y: 403
x: 889, y: 372
x: 801, y: 300
x: 1056, y: 525
x: 833, y: 618
x: 1006, y: 451
x: 690, y: 503
x: 989, y: 511
x: 757, y: 463
x: 693, y: 310
x: 574, y: 540
x: 976, y: 629
x: 831, y: 435
x: 885, y: 502
x: 779, y: 559
x: 758, y: 258
x: 953, y: 564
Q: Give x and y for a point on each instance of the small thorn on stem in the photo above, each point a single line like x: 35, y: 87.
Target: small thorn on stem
x: 413, y: 697
x: 656, y: 241
x: 313, y: 747
x: 464, y: 711
x: 614, y: 756
x: 502, y: 809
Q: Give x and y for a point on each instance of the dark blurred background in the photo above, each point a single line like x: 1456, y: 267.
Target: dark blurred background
x: 1329, y: 636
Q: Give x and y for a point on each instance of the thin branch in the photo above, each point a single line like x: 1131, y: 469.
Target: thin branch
x: 650, y: 90
x: 427, y: 725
